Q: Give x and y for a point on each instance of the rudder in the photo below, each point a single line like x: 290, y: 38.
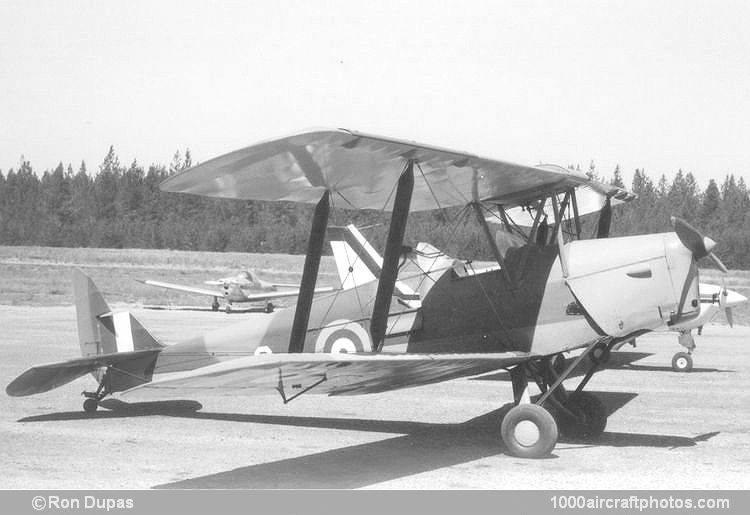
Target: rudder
x: 102, y: 331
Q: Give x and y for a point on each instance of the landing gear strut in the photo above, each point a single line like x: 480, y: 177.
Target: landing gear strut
x: 531, y: 430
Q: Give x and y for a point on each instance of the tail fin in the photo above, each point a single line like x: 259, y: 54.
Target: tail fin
x: 253, y: 278
x: 358, y: 263
x: 102, y: 331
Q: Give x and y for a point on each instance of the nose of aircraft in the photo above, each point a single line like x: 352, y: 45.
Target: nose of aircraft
x: 732, y: 298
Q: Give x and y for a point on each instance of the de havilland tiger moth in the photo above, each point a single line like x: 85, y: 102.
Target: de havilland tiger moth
x: 548, y: 292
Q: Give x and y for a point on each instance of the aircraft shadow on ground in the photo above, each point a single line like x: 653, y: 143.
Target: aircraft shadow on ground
x: 418, y: 447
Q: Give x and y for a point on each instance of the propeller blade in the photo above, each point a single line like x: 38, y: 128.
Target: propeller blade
x: 718, y: 262
x: 730, y: 317
x: 693, y: 240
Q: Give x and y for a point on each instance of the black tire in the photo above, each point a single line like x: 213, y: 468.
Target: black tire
x: 269, y: 308
x: 90, y: 405
x: 559, y: 363
x: 215, y: 305
x: 590, y: 417
x: 535, y: 440
x: 228, y: 309
x: 682, y: 362
x: 600, y: 356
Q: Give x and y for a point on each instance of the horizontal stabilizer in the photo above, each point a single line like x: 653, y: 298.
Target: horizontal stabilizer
x: 43, y: 378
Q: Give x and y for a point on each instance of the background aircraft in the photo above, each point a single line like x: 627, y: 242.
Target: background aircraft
x: 713, y: 299
x: 550, y: 295
x: 239, y: 288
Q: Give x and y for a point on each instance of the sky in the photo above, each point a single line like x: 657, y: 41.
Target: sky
x: 655, y: 85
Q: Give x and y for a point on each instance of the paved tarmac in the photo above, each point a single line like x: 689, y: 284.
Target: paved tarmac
x: 666, y: 430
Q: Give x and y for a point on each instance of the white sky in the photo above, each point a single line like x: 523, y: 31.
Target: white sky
x: 660, y: 85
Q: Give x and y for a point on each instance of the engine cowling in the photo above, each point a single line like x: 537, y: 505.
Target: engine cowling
x: 634, y: 283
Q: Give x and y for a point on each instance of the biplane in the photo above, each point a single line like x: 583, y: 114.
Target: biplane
x: 243, y: 287
x: 548, y: 291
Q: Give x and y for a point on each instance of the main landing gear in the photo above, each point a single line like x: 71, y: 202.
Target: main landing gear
x: 215, y: 304
x: 91, y: 404
x: 269, y: 307
x: 531, y: 430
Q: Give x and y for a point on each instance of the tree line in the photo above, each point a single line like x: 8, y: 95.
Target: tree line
x: 122, y: 207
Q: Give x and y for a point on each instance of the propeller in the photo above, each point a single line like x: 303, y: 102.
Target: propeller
x: 701, y: 246
x: 730, y: 317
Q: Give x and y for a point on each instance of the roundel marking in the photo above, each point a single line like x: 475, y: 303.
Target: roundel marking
x: 343, y: 336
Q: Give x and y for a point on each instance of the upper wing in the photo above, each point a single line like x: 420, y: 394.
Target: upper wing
x: 363, y: 170
x: 179, y: 287
x: 334, y: 374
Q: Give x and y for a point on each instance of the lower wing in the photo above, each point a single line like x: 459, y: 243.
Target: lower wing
x: 333, y: 374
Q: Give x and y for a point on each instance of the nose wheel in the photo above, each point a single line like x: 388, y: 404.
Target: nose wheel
x: 682, y: 362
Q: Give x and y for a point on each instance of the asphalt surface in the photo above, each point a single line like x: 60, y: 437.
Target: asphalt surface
x: 666, y: 429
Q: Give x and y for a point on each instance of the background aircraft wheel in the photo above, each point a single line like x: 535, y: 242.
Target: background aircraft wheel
x: 90, y: 405
x: 215, y: 305
x: 590, y: 416
x: 529, y: 431
x: 682, y: 362
x: 269, y: 307
x: 559, y: 364
x: 228, y: 309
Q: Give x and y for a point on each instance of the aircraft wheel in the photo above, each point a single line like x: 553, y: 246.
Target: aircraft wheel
x: 600, y: 355
x: 228, y: 309
x: 590, y: 417
x: 529, y: 431
x: 559, y: 364
x: 90, y: 405
x: 269, y: 307
x: 215, y: 305
x: 682, y: 362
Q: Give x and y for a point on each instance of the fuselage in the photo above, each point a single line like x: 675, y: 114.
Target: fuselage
x: 637, y: 284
